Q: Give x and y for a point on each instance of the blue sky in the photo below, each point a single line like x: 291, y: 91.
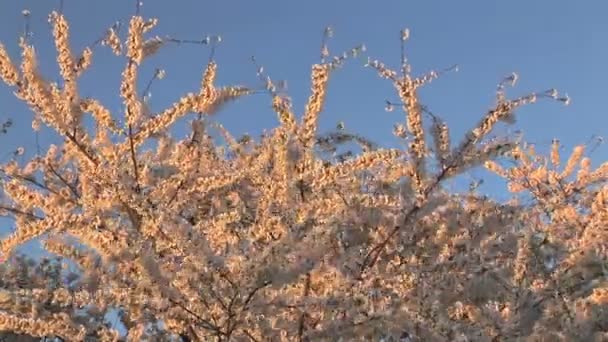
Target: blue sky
x: 550, y: 44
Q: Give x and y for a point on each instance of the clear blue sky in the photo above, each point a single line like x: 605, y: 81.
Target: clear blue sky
x: 550, y: 44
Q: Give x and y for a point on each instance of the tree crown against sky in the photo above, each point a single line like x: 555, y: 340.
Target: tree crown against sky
x: 282, y: 235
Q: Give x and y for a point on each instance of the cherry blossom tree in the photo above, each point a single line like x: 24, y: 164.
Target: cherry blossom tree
x: 279, y: 237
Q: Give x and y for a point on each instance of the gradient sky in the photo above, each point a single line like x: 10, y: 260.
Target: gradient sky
x: 550, y: 44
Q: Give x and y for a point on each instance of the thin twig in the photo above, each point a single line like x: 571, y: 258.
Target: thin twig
x: 134, y: 158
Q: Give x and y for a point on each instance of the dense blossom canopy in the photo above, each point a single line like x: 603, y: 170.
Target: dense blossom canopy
x: 281, y: 238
